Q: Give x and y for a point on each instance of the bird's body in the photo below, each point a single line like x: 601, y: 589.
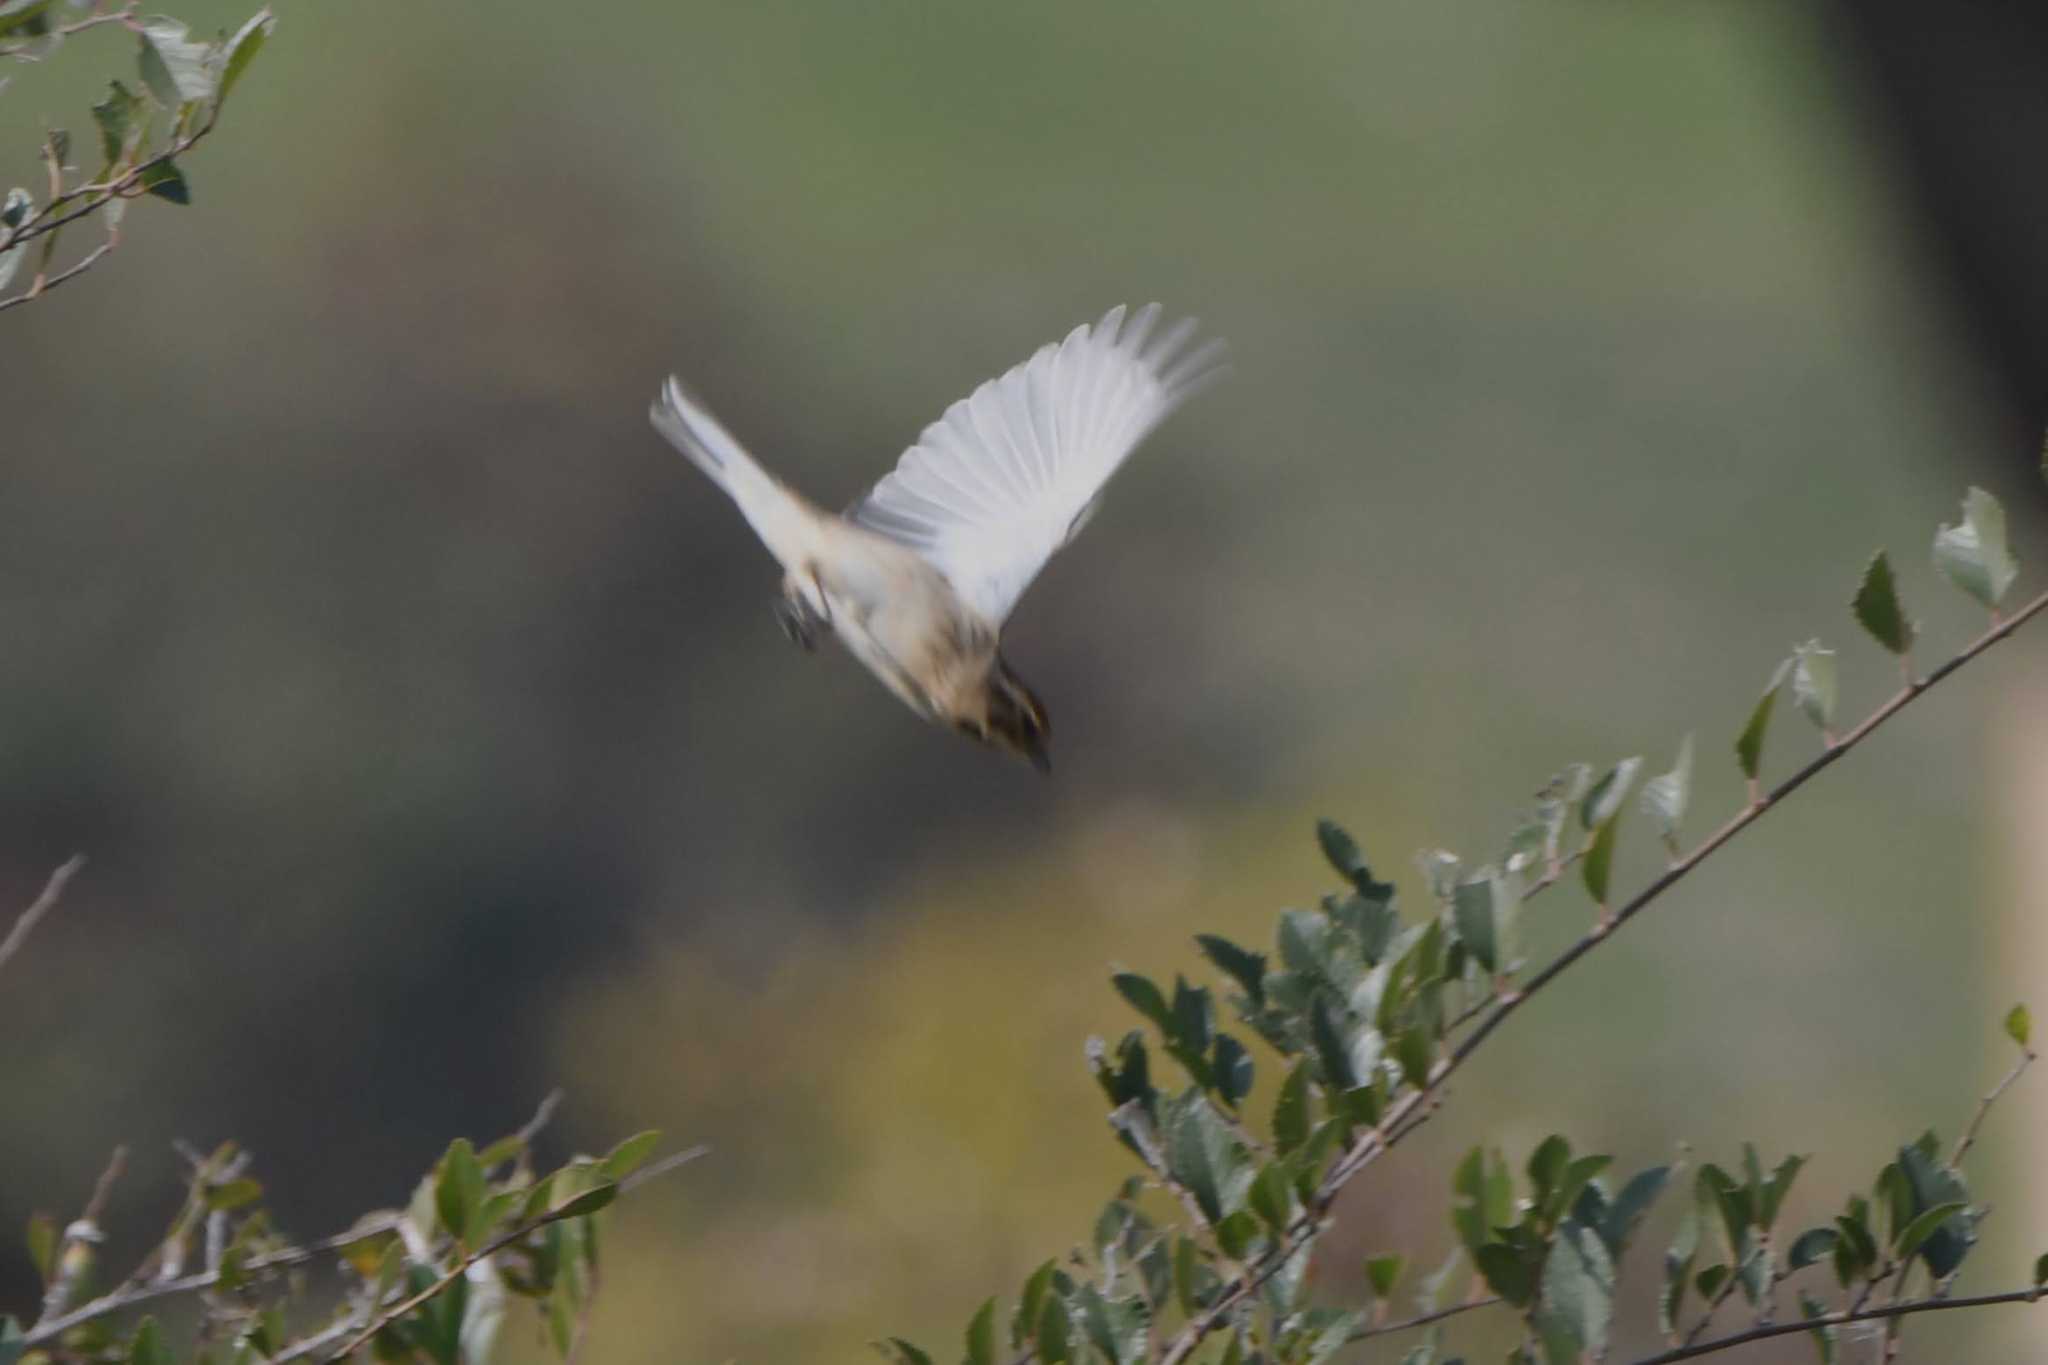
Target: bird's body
x: 917, y: 579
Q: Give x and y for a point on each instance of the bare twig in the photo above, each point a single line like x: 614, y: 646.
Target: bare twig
x: 1424, y: 1319
x: 22, y: 51
x: 42, y: 286
x: 1890, y: 1311
x: 53, y: 891
x: 541, y: 1116
x: 1969, y: 1137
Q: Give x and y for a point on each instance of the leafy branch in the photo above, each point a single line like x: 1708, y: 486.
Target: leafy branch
x: 183, y: 86
x: 1372, y: 1015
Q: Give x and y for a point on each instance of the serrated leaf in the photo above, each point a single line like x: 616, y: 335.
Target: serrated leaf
x: 1145, y: 998
x: 906, y: 1353
x: 1231, y: 1070
x: 1246, y: 968
x: 1290, y: 1110
x: 242, y: 48
x: 1931, y: 1186
x: 1203, y: 1155
x: 1626, y: 1211
x: 1749, y: 745
x: 115, y: 117
x: 1878, y: 609
x: 1604, y: 800
x: 1578, y: 1288
x: 1666, y: 795
x: 1813, y: 683
x: 1599, y: 862
x: 1974, y: 555
x: 2019, y: 1025
x: 175, y: 68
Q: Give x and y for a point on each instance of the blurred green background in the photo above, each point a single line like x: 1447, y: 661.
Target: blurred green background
x: 427, y: 727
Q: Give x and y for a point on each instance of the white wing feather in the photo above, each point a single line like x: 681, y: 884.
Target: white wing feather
x: 1011, y: 473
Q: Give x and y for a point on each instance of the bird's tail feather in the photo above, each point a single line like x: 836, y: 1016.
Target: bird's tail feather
x: 784, y: 521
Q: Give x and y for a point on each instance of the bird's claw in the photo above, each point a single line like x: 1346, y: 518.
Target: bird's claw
x: 799, y: 621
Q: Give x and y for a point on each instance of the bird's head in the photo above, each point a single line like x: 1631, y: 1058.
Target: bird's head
x: 1014, y: 720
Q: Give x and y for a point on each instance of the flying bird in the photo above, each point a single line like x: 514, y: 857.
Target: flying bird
x: 917, y: 578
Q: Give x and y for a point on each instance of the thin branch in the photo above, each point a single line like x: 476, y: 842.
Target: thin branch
x: 1969, y: 1137
x: 488, y: 1249
x: 22, y: 52
x: 53, y: 891
x: 548, y: 1104
x: 43, y: 286
x: 1743, y: 820
x: 1780, y: 1329
x: 1424, y: 1319
x: 130, y: 1296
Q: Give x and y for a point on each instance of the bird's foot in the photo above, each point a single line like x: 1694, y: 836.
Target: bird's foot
x: 800, y: 621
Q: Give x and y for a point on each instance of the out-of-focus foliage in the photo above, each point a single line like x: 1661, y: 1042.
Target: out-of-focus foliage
x: 183, y: 85
x: 432, y: 1282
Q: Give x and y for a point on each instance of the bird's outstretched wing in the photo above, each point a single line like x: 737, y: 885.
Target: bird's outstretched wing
x: 1010, y: 474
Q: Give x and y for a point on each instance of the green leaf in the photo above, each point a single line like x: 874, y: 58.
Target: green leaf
x: 1625, y: 1213
x: 1599, y: 863
x: 1578, y: 1288
x: 1271, y: 1197
x: 1771, y: 1193
x: 1666, y: 795
x: 1025, y: 1325
x: 1243, y: 966
x: 1485, y: 1198
x: 1412, y: 1051
x: 242, y: 48
x: 1547, y: 1166
x: 42, y: 1246
x: 1290, y: 1110
x: 1145, y: 998
x: 1604, y: 800
x: 588, y: 1202
x: 1749, y: 745
x: 629, y: 1155
x: 2019, y: 1025
x: 115, y: 117
x: 1472, y: 912
x: 1924, y: 1225
x: 1383, y: 1273
x: 1051, y: 1332
x: 1811, y: 1247
x: 2041, y: 1270
x: 1974, y: 555
x: 233, y: 1195
x: 175, y: 68
x: 982, y: 1335
x: 147, y: 1347
x: 1813, y: 683
x: 1344, y: 854
x: 1878, y: 609
x: 459, y: 1189
x: 1678, y: 1259
x: 1931, y: 1186
x: 906, y: 1353
x: 24, y: 14
x: 1230, y: 1070
x: 1206, y: 1157
x: 1823, y: 1336
x: 12, y: 1341
x: 1509, y: 1276
x: 166, y: 181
